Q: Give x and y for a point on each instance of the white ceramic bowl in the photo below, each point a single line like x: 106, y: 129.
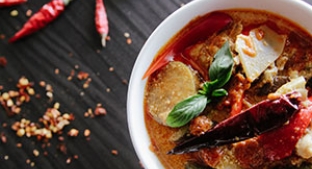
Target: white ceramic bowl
x: 295, y: 10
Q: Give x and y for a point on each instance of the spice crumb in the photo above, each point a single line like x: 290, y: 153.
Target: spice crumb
x: 76, y: 156
x: 3, y: 61
x: 19, y: 145
x: 125, y: 81
x: 32, y: 164
x: 36, y: 152
x: 86, y: 132
x: 100, y: 111
x: 73, y: 132
x: 127, y: 35
x: 82, y: 75
x: 57, y: 71
x: 6, y: 157
x: 114, y: 152
x: 28, y: 12
x: 4, y: 125
x: 68, y: 160
x: 129, y: 41
x: 111, y: 69
x: 2, y: 36
x: 42, y: 83
x: 108, y: 90
x: 3, y: 138
x: 28, y: 161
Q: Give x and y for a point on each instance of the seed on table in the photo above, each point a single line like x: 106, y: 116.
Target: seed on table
x: 87, y: 133
x: 14, y: 13
x: 36, y: 152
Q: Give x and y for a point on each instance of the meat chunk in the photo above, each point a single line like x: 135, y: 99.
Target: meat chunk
x: 200, y: 124
x: 248, y: 153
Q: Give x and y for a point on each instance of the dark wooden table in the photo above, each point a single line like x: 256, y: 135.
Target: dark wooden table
x: 65, y: 47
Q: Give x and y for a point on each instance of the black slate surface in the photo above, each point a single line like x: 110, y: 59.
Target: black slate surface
x: 72, y: 43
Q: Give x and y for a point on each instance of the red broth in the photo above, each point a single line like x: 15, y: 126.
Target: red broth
x: 197, y: 52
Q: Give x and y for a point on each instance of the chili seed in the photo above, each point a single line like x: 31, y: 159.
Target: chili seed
x: 86, y: 132
x: 36, y: 152
x: 14, y: 13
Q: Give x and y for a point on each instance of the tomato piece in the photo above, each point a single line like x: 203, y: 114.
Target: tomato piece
x: 281, y: 142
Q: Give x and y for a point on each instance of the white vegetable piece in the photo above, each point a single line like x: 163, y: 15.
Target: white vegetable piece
x: 304, y: 146
x: 298, y: 84
x: 258, y: 50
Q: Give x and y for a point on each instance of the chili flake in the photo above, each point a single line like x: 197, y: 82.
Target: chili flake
x: 114, y: 152
x: 3, y: 61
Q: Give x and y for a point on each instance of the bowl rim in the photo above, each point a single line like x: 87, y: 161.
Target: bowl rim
x: 179, y: 18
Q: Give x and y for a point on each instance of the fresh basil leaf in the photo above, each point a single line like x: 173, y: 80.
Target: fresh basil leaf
x: 219, y: 93
x: 221, y: 68
x: 186, y: 110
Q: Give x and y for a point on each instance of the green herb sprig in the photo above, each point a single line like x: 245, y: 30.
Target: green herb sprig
x: 220, y: 73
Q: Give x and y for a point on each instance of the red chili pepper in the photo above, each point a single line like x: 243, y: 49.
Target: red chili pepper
x: 197, y: 30
x: 281, y: 142
x: 101, y: 21
x: 4, y: 3
x: 259, y: 119
x: 39, y: 20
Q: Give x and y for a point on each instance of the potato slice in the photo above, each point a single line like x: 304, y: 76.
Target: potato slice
x: 174, y: 83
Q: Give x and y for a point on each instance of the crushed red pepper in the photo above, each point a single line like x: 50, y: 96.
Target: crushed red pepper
x: 49, y: 125
x: 3, y: 61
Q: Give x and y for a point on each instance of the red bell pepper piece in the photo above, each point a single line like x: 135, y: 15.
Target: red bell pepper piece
x: 4, y: 3
x: 281, y: 142
x: 39, y: 20
x: 197, y: 30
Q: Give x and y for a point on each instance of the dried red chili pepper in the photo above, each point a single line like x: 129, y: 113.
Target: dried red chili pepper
x: 4, y: 3
x: 101, y: 20
x: 39, y: 20
x: 261, y: 118
x: 197, y: 30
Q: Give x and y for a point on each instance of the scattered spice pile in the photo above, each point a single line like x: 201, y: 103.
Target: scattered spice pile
x: 52, y: 122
